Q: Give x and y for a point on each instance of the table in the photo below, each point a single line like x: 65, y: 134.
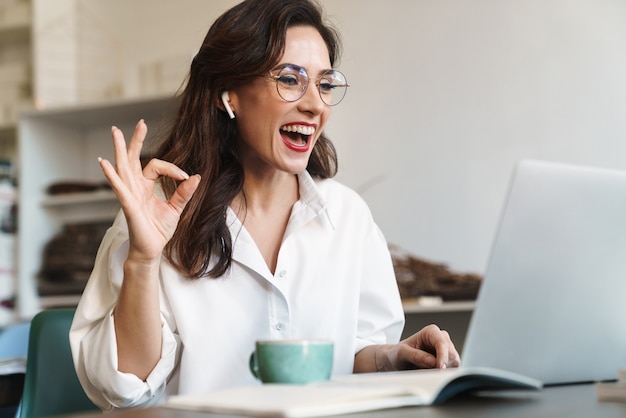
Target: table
x: 557, y: 401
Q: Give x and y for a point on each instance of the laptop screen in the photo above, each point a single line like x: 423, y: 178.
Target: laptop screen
x: 552, y: 305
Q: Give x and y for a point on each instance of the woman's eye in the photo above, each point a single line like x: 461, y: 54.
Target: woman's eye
x: 326, y: 86
x: 288, y: 80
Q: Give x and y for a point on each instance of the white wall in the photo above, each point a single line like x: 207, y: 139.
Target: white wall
x: 445, y: 97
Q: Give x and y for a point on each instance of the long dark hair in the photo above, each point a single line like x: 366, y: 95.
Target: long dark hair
x: 242, y: 44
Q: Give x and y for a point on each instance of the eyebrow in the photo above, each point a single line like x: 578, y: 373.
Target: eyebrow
x: 289, y: 64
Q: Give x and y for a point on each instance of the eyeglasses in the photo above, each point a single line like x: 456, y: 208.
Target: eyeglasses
x: 292, y: 82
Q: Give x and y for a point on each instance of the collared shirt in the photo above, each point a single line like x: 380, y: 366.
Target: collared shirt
x: 334, y: 279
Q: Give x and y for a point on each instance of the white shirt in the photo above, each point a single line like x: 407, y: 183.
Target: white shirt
x: 334, y: 279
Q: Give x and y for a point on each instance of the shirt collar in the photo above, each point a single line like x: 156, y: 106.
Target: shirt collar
x: 311, y: 196
x: 311, y: 202
x: 310, y: 206
x: 309, y: 192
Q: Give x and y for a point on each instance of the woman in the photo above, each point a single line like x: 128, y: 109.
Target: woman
x: 258, y: 243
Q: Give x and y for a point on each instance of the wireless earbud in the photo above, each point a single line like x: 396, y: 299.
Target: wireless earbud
x: 225, y: 100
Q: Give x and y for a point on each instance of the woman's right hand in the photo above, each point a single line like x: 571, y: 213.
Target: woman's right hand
x: 151, y: 219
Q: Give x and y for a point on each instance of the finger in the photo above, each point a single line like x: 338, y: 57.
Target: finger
x: 432, y: 341
x: 454, y: 358
x: 120, y: 153
x: 455, y: 361
x: 184, y: 192
x: 423, y: 359
x: 136, y: 142
x: 115, y: 181
x: 447, y: 356
x: 108, y: 170
x: 442, y: 348
x: 410, y: 357
x: 157, y: 168
x: 438, y: 342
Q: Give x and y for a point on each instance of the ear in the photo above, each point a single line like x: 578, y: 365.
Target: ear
x: 225, y: 101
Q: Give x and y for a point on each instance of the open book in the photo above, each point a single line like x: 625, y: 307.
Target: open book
x: 353, y: 393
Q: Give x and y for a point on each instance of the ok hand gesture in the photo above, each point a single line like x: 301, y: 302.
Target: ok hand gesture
x: 151, y: 219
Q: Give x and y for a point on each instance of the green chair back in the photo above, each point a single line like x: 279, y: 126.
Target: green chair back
x: 51, y: 386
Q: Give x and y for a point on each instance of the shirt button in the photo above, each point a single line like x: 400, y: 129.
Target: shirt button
x: 280, y: 326
x: 282, y: 273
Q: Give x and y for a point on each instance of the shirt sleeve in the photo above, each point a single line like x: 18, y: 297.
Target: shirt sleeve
x: 93, y: 340
x: 381, y: 316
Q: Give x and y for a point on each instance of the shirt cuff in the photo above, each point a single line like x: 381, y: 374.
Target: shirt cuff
x: 123, y: 390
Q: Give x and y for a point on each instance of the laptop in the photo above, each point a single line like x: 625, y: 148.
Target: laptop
x: 552, y: 304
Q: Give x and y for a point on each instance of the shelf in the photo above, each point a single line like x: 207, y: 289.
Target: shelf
x: 14, y: 33
x: 72, y: 199
x: 58, y: 301
x: 60, y: 145
x: 8, y: 132
x: 412, y: 306
x: 101, y: 205
x: 93, y: 114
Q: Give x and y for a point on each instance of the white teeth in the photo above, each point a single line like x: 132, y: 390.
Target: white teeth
x: 303, y: 130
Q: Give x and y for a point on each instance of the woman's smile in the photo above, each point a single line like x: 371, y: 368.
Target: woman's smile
x: 297, y: 136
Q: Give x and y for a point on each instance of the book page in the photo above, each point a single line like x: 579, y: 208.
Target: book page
x: 353, y: 393
x: 298, y: 401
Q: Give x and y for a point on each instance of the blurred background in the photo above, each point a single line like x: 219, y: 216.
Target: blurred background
x: 446, y: 97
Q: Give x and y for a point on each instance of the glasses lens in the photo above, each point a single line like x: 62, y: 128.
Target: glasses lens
x: 291, y: 82
x: 333, y: 87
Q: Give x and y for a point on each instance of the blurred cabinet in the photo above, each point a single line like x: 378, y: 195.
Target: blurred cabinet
x: 15, y: 69
x: 89, y: 66
x: 63, y: 145
x: 15, y: 94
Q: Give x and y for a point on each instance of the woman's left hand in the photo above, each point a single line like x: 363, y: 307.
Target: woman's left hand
x: 429, y: 348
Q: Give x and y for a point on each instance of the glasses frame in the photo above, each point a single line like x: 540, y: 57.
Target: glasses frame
x: 308, y: 81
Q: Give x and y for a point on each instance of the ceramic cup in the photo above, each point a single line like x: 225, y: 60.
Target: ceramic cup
x: 292, y: 361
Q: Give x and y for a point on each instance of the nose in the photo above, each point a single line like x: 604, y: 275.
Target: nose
x: 311, y: 101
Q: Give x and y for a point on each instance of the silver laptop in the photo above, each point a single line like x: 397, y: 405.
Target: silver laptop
x: 553, y: 302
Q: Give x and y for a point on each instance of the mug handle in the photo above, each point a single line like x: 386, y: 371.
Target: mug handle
x: 254, y: 366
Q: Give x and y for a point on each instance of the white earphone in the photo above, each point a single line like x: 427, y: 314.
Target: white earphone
x: 225, y: 100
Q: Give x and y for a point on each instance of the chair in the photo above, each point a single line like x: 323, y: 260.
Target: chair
x: 51, y: 386
x: 13, y: 343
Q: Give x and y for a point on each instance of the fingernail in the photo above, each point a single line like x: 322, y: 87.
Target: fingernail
x: 185, y: 175
x: 443, y: 366
x: 113, y: 128
x: 140, y: 122
x: 99, y: 159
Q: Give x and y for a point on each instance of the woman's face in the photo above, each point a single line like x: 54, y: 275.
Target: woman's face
x: 278, y: 135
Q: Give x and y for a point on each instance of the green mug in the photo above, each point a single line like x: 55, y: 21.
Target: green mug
x: 292, y: 361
